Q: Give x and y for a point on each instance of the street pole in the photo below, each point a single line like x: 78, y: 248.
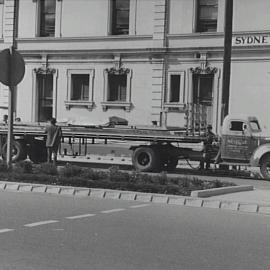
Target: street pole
x: 10, y: 117
x: 11, y: 91
x: 227, y: 57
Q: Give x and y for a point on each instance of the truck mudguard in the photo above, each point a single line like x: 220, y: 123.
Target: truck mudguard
x: 258, y: 154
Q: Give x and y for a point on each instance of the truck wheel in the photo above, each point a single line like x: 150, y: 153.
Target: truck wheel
x: 38, y: 152
x: 265, y: 167
x: 18, y: 151
x: 146, y: 159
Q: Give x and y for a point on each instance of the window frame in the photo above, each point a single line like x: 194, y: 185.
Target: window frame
x: 89, y: 104
x: 58, y: 15
x: 197, y: 19
x: 35, y: 72
x: 38, y: 25
x: 111, y: 19
x: 106, y: 104
x: 181, y: 103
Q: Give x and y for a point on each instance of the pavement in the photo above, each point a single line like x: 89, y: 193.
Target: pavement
x: 258, y: 196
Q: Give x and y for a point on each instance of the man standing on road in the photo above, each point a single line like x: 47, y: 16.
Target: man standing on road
x: 207, y: 147
x: 53, y: 139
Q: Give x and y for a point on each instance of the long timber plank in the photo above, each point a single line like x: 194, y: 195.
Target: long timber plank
x: 151, y: 135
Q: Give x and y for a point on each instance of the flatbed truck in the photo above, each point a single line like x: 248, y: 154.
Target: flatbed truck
x: 241, y: 142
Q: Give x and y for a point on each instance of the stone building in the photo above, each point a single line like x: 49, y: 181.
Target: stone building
x: 142, y: 60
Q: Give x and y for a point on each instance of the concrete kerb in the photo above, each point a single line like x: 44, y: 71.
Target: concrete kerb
x: 220, y: 191
x: 138, y: 196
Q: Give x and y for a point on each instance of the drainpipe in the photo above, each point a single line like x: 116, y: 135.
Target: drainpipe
x: 163, y: 118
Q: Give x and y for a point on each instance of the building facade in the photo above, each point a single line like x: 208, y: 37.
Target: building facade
x: 142, y: 60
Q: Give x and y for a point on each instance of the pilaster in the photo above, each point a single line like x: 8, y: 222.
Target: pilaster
x: 9, y: 20
x: 159, y: 29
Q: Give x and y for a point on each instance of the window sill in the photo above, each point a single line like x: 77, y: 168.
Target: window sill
x: 88, y: 104
x: 116, y: 104
x: 175, y: 107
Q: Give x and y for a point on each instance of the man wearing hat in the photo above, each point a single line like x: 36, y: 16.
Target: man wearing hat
x: 54, y: 134
x: 207, y: 147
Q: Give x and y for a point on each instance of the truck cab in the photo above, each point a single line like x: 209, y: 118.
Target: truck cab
x: 240, y: 136
x: 244, y: 143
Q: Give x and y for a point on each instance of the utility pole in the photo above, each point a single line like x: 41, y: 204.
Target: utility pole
x: 11, y: 92
x: 227, y: 58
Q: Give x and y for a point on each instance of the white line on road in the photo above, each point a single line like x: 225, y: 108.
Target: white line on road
x: 81, y: 216
x: 113, y: 210
x: 40, y: 223
x: 6, y: 230
x: 139, y: 205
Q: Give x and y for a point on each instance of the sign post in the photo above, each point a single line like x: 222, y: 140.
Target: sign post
x: 11, y: 73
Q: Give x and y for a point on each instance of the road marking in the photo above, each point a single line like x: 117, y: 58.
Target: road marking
x: 139, y: 205
x: 113, y: 210
x: 40, y: 223
x: 81, y: 216
x: 6, y: 230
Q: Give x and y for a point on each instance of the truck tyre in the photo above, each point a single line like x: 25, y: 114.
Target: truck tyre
x: 265, y: 167
x: 18, y: 151
x: 37, y: 151
x: 146, y: 159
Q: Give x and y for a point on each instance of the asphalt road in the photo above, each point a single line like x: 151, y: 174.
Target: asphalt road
x: 46, y: 231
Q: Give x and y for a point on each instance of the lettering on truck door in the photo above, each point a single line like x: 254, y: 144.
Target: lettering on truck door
x: 238, y: 143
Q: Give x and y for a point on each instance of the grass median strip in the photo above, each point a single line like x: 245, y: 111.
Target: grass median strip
x: 40, y: 223
x: 100, y: 183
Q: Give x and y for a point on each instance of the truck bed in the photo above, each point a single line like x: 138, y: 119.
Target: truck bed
x: 149, y: 134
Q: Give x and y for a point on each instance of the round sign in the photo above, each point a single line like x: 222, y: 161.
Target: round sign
x: 12, y: 67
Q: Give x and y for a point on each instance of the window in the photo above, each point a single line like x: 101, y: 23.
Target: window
x: 175, y: 88
x: 175, y: 93
x: 117, y: 87
x: 44, y: 94
x: 255, y: 125
x: 236, y: 126
x: 203, y: 89
x: 80, y: 88
x: 207, y: 12
x: 120, y: 17
x: 47, y: 18
x: 45, y: 97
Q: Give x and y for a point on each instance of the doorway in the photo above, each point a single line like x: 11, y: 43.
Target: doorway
x: 203, y: 94
x: 45, y: 97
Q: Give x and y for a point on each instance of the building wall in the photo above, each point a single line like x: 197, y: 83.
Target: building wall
x: 154, y: 48
x: 251, y: 15
x: 249, y: 93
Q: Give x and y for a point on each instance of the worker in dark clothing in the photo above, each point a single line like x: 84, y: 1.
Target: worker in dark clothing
x: 207, y: 147
x: 53, y: 139
x: 5, y: 119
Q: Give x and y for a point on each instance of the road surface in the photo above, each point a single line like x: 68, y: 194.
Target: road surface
x: 49, y: 232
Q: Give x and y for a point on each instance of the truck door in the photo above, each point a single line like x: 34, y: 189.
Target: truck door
x: 238, y: 143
